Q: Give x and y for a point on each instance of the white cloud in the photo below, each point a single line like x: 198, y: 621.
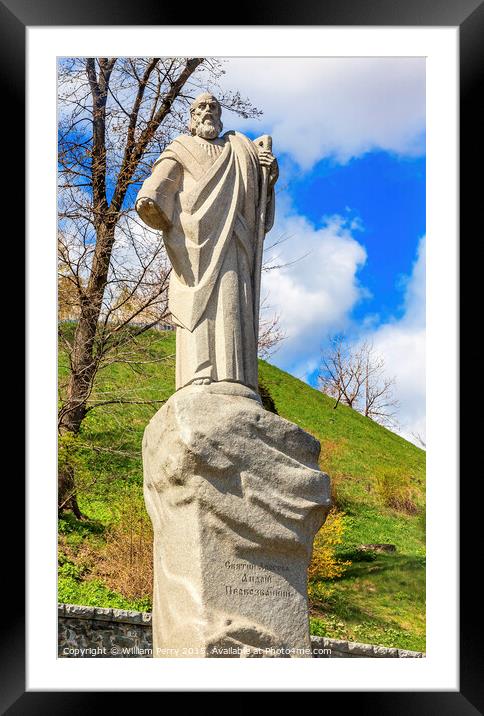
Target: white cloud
x: 314, y: 298
x: 402, y: 345
x: 314, y: 295
x: 338, y: 107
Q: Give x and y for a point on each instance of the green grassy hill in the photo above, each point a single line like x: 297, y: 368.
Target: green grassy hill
x: 378, y: 488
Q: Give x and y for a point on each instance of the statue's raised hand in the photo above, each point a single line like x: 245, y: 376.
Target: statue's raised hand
x: 267, y: 159
x: 151, y: 214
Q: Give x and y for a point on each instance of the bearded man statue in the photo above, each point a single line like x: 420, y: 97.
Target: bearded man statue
x: 204, y: 195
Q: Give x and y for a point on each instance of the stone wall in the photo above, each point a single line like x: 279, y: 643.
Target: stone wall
x: 107, y: 633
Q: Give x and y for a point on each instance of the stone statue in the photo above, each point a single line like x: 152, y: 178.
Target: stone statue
x: 204, y: 194
x: 234, y: 492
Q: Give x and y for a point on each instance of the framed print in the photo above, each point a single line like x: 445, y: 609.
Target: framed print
x: 443, y: 43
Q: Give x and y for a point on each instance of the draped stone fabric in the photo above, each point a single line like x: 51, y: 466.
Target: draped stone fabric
x: 210, y: 194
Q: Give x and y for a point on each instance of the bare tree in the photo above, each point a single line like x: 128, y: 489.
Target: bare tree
x: 116, y: 115
x: 355, y: 376
x: 419, y: 440
x: 270, y: 335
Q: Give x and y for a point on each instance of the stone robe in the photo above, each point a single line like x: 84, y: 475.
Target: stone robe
x: 209, y: 191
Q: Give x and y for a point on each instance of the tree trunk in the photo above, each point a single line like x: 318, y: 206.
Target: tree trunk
x: 67, y: 499
x: 72, y: 415
x: 83, y: 362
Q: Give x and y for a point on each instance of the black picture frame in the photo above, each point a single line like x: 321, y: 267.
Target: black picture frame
x: 468, y: 15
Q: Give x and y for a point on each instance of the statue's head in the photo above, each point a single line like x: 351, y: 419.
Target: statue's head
x: 205, y: 113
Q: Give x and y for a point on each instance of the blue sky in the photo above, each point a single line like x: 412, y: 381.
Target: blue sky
x: 349, y: 134
x: 387, y: 194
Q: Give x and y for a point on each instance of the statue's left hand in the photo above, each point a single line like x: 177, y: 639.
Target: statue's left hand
x: 267, y: 159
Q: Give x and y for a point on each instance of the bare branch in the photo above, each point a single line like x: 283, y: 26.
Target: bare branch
x: 355, y: 376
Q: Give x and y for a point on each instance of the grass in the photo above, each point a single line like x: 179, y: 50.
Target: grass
x: 378, y: 481
x: 378, y: 602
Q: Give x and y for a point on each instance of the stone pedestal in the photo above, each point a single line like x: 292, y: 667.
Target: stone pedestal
x: 235, y: 496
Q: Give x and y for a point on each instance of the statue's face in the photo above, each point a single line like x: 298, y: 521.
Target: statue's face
x: 205, y: 118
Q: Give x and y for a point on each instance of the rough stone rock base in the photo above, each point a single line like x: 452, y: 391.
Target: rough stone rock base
x: 235, y: 496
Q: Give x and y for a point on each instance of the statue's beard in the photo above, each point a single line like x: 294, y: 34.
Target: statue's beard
x: 207, y: 129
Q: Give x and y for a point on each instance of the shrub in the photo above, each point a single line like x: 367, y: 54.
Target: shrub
x: 126, y: 562
x: 397, y: 491
x: 324, y: 563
